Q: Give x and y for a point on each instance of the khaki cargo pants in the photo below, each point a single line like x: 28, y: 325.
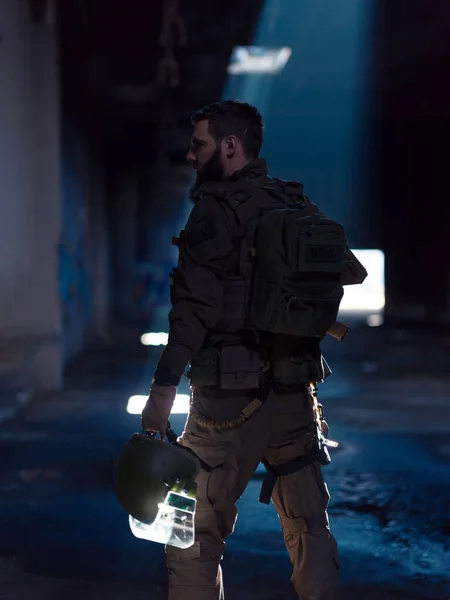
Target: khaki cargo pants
x: 279, y: 431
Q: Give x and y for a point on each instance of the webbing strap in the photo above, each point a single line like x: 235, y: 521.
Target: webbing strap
x: 292, y: 466
x: 269, y: 481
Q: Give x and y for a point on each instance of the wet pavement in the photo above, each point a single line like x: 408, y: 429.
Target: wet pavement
x: 63, y: 535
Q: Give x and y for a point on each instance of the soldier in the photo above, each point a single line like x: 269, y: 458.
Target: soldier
x: 254, y: 350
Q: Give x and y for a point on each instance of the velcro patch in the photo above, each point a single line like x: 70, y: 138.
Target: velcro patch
x: 322, y: 253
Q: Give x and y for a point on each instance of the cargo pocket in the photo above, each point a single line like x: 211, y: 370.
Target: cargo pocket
x: 196, y: 551
x: 194, y: 567
x: 292, y: 529
x: 183, y: 554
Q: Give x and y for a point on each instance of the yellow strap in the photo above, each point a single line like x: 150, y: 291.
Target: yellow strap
x: 251, y: 408
x: 245, y: 414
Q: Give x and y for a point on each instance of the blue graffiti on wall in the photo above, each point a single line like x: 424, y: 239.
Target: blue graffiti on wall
x: 74, y: 283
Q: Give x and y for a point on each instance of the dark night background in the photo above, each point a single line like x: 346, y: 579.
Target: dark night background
x: 95, y: 99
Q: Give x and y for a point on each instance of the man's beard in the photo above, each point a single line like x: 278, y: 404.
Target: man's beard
x: 211, y: 171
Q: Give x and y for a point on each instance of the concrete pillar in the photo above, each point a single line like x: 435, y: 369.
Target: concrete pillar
x: 29, y: 192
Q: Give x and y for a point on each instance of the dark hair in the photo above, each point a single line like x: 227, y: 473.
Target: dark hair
x: 231, y: 117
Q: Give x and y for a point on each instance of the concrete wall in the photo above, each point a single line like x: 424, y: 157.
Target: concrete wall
x: 29, y: 188
x: 83, y: 249
x: 150, y: 207
x: 53, y: 231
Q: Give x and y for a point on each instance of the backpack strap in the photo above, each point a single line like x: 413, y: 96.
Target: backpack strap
x: 238, y: 193
x: 243, y: 196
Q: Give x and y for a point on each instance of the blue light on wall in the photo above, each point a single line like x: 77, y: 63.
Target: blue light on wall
x: 315, y: 108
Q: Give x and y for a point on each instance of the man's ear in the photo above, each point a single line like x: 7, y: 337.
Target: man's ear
x: 230, y: 145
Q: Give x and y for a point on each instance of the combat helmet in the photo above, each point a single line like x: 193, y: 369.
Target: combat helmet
x: 154, y: 482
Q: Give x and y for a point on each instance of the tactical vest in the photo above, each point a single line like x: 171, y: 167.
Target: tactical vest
x: 247, y: 200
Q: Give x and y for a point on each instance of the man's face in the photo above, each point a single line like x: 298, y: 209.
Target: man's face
x: 205, y: 155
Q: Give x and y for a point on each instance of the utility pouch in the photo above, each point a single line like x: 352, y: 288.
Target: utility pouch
x: 240, y: 368
x: 294, y: 362
x: 301, y: 368
x: 205, y: 367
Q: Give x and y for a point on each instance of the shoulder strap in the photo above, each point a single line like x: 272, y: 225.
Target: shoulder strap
x: 242, y: 196
x: 246, y: 196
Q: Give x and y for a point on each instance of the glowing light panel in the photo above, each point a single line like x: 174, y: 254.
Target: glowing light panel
x: 257, y: 59
x: 369, y: 296
x: 375, y: 320
x: 136, y: 404
x: 154, y: 339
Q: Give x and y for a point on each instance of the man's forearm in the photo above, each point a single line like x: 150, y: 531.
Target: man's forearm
x: 172, y: 364
x: 188, y: 329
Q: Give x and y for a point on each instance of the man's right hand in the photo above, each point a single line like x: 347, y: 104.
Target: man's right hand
x: 157, y: 410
